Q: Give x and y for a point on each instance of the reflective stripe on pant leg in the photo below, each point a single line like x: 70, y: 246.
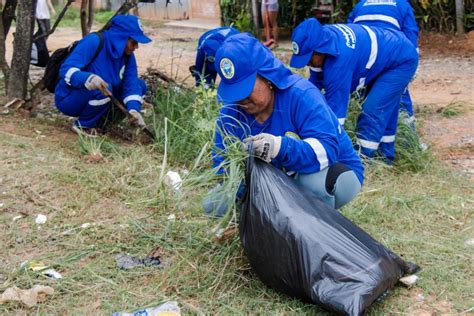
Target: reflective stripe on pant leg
x: 97, y: 107
x: 346, y: 188
x: 316, y: 183
x: 387, y: 142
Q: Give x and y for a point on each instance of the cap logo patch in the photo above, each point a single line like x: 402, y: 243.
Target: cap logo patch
x: 296, y: 48
x: 227, y: 68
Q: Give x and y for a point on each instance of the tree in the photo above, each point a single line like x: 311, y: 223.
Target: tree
x: 87, y: 16
x: 18, y: 78
x: 8, y: 14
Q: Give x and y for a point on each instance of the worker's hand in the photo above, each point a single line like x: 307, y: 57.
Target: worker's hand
x: 264, y: 146
x: 137, y: 118
x: 95, y: 82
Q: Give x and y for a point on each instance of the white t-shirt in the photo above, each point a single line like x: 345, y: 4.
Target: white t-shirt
x: 42, y: 11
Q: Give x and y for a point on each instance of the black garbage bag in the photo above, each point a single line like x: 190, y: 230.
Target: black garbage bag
x: 302, y: 247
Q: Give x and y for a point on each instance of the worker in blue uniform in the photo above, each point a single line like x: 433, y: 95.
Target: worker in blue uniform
x: 394, y: 14
x: 208, y: 44
x: 287, y: 121
x: 87, y: 84
x: 346, y: 58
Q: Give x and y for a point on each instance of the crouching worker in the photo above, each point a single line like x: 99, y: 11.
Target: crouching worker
x: 287, y: 121
x: 203, y: 70
x: 347, y: 58
x: 101, y: 66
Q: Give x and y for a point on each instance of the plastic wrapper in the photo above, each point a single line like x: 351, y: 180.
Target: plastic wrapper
x: 302, y: 247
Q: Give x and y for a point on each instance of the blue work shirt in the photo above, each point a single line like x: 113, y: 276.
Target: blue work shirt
x: 355, y: 55
x: 394, y: 14
x: 208, y: 45
x: 118, y: 70
x: 312, y: 138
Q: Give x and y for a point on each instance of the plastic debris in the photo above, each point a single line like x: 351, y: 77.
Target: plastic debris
x: 17, y: 217
x: 1, y: 204
x: 29, y: 297
x: 169, y: 308
x: 409, y: 280
x: 171, y: 218
x: 223, y: 234
x: 128, y: 262
x: 86, y: 225
x: 173, y: 180
x: 53, y: 274
x: 41, y: 219
x: 38, y: 266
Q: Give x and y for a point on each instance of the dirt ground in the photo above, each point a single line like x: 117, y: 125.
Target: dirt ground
x: 445, y: 77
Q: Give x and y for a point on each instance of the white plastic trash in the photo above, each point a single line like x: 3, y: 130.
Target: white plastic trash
x: 173, y: 180
x: 41, y: 219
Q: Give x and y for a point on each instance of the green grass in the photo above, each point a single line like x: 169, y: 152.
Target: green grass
x: 72, y: 18
x: 423, y: 214
x: 452, y: 109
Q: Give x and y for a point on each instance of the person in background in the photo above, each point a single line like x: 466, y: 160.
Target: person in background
x: 345, y: 58
x: 269, y: 11
x: 394, y: 14
x: 44, y: 9
x: 203, y: 70
x: 287, y: 121
x: 102, y: 65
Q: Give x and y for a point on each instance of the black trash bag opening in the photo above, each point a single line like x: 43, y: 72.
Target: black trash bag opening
x: 306, y: 249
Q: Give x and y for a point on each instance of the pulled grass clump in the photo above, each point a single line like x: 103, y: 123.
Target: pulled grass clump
x: 452, y: 109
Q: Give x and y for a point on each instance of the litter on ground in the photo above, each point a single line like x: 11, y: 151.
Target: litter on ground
x: 29, y: 297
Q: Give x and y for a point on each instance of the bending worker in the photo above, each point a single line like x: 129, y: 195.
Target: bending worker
x: 101, y: 65
x: 346, y: 58
x: 287, y: 120
x: 208, y: 44
x: 393, y: 14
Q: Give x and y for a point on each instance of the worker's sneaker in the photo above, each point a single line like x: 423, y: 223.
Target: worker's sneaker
x: 84, y: 131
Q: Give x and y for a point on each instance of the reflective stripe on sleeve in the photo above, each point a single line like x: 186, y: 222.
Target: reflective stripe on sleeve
x: 374, y: 47
x: 342, y: 120
x: 99, y: 102
x: 70, y: 71
x: 133, y: 97
x: 368, y: 144
x: 388, y: 139
x: 319, y: 151
x: 377, y: 17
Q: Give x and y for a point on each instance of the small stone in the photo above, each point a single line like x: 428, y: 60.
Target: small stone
x: 19, y: 240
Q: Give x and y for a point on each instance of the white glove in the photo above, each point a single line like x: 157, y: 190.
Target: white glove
x: 95, y: 82
x: 264, y: 146
x: 138, y: 118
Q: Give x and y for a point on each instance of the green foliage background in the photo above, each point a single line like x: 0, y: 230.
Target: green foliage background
x: 432, y: 15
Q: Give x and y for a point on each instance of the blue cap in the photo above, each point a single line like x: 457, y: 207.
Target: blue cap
x: 237, y: 62
x: 309, y: 37
x: 131, y: 26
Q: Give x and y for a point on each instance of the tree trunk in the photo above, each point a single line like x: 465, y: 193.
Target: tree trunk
x: 255, y: 16
x: 459, y: 16
x: 18, y: 79
x: 8, y: 14
x: 87, y: 16
x: 90, y: 18
x: 84, y: 29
